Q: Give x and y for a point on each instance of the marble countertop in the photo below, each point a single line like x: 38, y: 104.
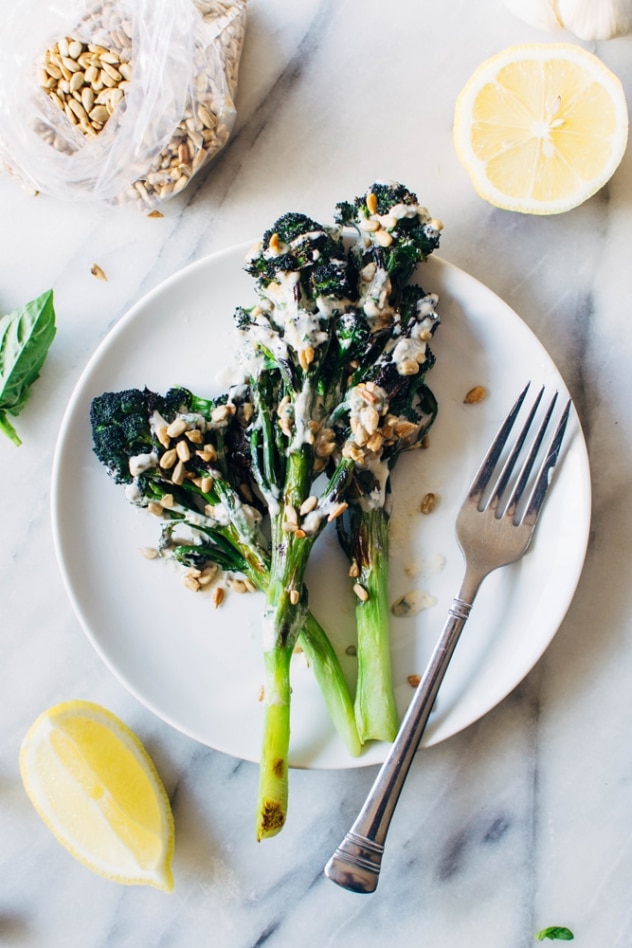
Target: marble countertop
x: 522, y: 820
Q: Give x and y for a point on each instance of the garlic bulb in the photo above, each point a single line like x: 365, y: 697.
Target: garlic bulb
x: 596, y: 19
x: 586, y: 19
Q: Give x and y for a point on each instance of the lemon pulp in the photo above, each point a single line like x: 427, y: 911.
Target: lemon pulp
x: 541, y: 127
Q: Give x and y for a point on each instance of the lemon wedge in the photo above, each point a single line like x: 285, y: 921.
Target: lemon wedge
x: 541, y: 127
x: 98, y: 791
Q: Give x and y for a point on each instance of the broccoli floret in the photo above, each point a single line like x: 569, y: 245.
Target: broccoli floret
x: 387, y: 196
x: 242, y: 317
x: 291, y: 226
x: 332, y: 279
x: 297, y: 243
x: 120, y: 430
x: 294, y: 241
x: 406, y: 233
x: 177, y: 401
x: 121, y: 427
x: 113, y: 406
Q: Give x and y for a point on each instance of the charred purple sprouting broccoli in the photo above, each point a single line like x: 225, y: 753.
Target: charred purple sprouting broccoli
x: 185, y: 459
x: 302, y: 284
x: 386, y: 408
x: 333, y: 353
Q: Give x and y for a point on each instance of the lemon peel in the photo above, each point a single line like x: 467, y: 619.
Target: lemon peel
x: 97, y: 789
x: 540, y: 127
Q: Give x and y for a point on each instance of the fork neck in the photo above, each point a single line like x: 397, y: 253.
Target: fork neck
x: 471, y: 584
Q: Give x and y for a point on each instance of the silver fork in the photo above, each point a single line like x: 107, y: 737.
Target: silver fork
x: 494, y: 528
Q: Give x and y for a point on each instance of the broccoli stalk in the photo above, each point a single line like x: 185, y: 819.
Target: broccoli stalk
x: 363, y: 532
x: 368, y: 550
x: 387, y: 409
x: 302, y: 282
x: 136, y: 434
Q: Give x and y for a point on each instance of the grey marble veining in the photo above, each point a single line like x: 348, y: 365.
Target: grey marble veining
x: 522, y: 820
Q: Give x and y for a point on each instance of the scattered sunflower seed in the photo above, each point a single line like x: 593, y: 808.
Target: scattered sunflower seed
x: 476, y: 394
x: 218, y: 596
x: 149, y: 552
x: 237, y: 585
x: 98, y: 272
x: 428, y: 503
x: 191, y: 582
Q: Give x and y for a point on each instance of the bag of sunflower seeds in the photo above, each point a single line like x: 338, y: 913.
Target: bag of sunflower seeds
x: 117, y: 101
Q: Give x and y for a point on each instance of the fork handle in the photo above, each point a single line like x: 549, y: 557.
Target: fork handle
x: 356, y: 863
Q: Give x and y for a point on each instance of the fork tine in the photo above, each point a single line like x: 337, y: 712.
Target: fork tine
x: 527, y: 466
x: 510, y: 463
x: 539, y: 492
x: 484, y: 473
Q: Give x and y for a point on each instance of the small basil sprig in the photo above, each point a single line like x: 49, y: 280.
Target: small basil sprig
x: 555, y: 933
x: 25, y: 337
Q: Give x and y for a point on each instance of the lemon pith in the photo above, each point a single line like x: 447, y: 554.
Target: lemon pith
x: 541, y: 127
x: 94, y: 785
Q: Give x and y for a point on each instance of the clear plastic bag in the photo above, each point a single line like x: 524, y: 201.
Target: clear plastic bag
x: 177, y: 65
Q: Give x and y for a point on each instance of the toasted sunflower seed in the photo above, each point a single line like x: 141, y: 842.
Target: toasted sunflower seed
x: 308, y: 505
x: 98, y: 272
x: 337, y: 511
x: 149, y: 552
x: 168, y: 459
x: 428, y: 503
x: 360, y: 592
x: 476, y: 394
x: 218, y: 596
x: 237, y: 585
x: 176, y: 428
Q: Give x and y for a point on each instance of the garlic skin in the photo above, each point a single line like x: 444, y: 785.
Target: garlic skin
x: 586, y: 19
x: 538, y: 13
x: 596, y: 19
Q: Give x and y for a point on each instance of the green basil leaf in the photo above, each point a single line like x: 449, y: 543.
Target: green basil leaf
x: 25, y: 338
x: 555, y: 933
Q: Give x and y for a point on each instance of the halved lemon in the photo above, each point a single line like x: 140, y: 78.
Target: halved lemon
x: 96, y: 788
x: 541, y: 127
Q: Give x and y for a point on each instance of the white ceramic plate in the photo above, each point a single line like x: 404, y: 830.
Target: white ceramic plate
x: 200, y: 669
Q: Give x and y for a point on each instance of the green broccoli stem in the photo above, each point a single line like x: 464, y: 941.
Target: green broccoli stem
x: 287, y: 617
x: 325, y: 665
x: 375, y: 708
x: 284, y: 617
x: 273, y: 764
